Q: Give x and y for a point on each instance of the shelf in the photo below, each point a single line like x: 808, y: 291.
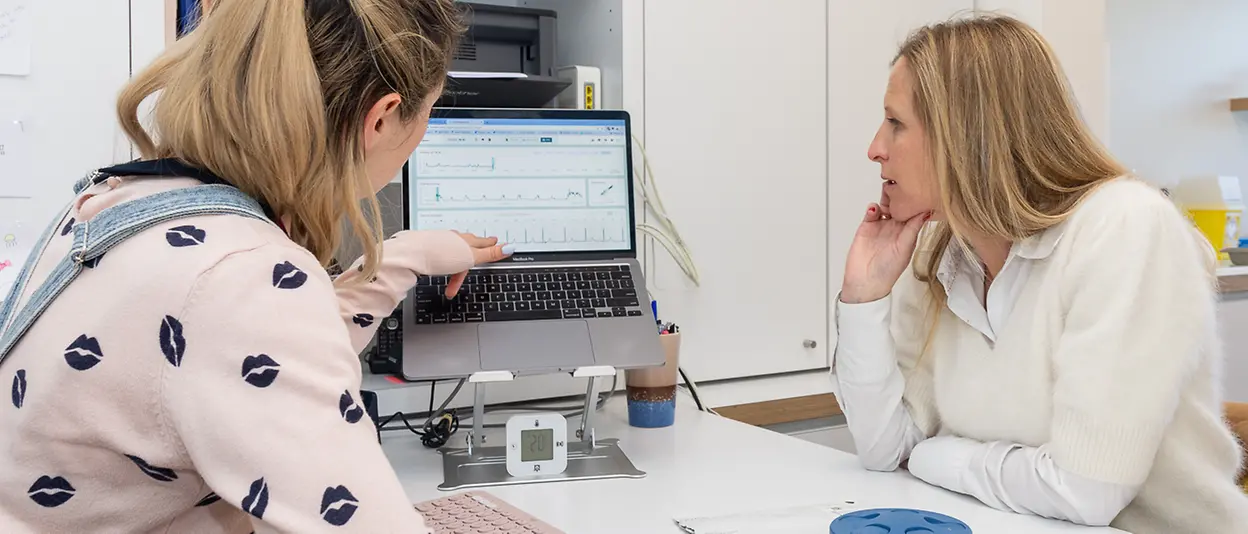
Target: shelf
x: 1239, y: 104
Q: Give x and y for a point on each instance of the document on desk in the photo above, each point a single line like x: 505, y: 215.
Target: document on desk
x: 794, y: 520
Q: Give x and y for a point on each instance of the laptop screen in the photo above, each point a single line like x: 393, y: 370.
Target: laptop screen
x: 542, y: 184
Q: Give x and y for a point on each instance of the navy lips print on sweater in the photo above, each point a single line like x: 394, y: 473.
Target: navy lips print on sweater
x: 172, y: 344
x: 350, y: 410
x: 162, y: 474
x: 287, y: 276
x: 84, y: 353
x: 185, y: 236
x: 50, y: 492
x: 19, y: 388
x: 260, y: 370
x: 338, y: 505
x: 257, y: 499
x: 208, y: 499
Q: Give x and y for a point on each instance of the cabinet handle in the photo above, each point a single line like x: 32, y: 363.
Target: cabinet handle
x: 809, y: 343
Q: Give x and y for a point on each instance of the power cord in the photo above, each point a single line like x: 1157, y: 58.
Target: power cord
x: 693, y: 389
x: 665, y: 233
x: 439, y: 426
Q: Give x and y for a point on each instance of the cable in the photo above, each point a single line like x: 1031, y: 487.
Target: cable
x: 693, y: 389
x: 440, y: 424
x: 433, y: 386
x: 665, y: 233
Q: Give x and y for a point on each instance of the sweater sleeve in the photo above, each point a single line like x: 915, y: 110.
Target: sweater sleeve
x: 880, y: 383
x: 1016, y: 478
x: 261, y: 389
x: 406, y: 256
x: 1140, y: 304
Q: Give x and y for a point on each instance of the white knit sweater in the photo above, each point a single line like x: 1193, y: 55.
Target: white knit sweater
x: 1109, y: 358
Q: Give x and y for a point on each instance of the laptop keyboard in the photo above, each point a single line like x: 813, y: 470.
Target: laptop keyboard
x: 526, y: 294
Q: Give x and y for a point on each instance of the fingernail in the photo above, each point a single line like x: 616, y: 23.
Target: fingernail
x: 871, y: 209
x: 508, y: 249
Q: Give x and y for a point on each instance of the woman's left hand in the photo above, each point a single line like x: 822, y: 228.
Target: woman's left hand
x: 484, y: 250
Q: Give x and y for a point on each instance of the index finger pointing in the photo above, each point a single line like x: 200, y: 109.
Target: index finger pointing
x: 492, y: 254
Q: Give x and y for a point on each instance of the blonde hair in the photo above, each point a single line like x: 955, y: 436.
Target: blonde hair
x: 271, y: 96
x: 1010, y: 151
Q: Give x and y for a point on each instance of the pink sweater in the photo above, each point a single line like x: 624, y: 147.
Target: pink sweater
x: 203, y: 376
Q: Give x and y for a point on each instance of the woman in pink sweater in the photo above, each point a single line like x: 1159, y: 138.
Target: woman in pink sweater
x: 179, y: 359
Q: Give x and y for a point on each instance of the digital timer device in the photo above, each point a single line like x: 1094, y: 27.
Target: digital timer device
x: 537, y: 444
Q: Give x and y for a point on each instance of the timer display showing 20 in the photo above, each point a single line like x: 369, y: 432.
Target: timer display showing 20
x: 537, y: 445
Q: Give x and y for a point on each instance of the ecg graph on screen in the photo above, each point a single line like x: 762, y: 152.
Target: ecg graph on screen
x: 505, y: 193
x: 502, y: 161
x: 540, y: 231
x: 520, y: 193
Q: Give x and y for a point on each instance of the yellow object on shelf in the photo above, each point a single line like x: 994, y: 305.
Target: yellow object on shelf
x: 1215, y: 205
x: 1220, y: 227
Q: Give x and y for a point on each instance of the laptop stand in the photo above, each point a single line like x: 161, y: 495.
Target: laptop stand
x: 589, y: 458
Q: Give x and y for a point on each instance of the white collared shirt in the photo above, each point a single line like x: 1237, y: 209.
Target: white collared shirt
x: 1006, y: 476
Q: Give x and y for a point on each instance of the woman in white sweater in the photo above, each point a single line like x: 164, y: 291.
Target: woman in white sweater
x: 1051, y: 346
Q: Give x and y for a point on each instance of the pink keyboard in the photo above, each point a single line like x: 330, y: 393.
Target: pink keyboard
x: 479, y: 512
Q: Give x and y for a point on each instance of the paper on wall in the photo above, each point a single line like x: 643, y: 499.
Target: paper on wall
x: 16, y: 176
x: 17, y: 35
x: 16, y: 241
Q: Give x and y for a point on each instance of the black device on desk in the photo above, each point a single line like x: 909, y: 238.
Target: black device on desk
x: 386, y: 356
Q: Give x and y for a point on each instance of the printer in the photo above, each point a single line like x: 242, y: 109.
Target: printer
x: 507, y: 59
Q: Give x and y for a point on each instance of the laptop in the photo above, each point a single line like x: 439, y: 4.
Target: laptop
x: 558, y: 185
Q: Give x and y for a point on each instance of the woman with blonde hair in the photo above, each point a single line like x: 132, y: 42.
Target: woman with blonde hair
x: 1053, y: 348
x: 179, y: 359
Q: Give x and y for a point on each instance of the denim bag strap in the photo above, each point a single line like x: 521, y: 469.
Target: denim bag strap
x: 103, y: 232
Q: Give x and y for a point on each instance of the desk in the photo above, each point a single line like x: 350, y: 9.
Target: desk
x: 1232, y: 278
x: 708, y: 465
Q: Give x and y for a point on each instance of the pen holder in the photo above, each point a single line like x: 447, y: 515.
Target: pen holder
x: 652, y: 391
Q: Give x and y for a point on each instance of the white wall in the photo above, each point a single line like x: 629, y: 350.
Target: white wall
x: 67, y: 101
x: 1175, y: 67
x: 1076, y: 31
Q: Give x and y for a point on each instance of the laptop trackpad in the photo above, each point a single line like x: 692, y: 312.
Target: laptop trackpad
x: 526, y: 345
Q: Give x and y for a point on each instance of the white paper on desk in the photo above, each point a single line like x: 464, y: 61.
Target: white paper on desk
x: 17, y: 238
x: 17, y: 35
x: 16, y: 177
x: 795, y: 520
x: 487, y: 75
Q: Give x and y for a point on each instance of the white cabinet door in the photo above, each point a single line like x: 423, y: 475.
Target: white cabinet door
x: 737, y: 133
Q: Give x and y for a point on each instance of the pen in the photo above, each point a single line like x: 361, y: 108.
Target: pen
x: 654, y: 308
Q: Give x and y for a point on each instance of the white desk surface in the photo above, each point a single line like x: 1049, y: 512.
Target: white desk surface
x: 707, y: 465
x: 1232, y: 270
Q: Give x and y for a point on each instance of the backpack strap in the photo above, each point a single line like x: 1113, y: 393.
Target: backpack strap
x: 106, y: 230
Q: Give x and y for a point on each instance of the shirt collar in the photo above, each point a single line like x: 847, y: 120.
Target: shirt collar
x: 956, y: 260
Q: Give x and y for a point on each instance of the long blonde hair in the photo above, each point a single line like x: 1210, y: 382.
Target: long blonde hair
x: 1011, y: 153
x: 271, y: 96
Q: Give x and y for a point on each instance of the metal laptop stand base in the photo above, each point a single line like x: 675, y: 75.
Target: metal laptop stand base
x: 588, y: 459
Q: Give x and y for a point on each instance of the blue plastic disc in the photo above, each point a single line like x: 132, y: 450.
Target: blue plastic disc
x: 897, y: 521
